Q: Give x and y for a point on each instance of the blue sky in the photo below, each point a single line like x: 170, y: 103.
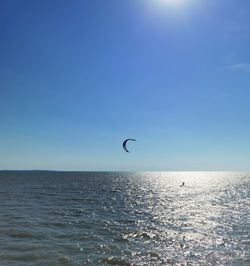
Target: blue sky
x: 78, y: 77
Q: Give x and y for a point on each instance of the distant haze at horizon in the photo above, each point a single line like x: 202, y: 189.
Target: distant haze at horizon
x: 77, y: 78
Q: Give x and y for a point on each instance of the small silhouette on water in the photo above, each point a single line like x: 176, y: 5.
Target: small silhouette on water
x: 183, y: 183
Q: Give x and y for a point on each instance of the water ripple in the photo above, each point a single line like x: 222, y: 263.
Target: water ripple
x: 63, y: 218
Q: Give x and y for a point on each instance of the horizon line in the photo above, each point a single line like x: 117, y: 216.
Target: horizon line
x: 104, y: 171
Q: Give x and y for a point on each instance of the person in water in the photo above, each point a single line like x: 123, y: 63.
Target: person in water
x: 183, y: 183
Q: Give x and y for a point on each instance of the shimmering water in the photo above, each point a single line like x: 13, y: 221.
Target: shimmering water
x: 72, y: 218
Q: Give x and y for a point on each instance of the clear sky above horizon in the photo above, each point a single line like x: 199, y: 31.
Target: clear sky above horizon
x: 78, y: 77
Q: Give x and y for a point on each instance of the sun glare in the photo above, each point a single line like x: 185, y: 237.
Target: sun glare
x: 170, y: 2
x: 177, y: 5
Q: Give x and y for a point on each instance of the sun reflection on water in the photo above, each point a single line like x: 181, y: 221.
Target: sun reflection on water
x: 194, y: 220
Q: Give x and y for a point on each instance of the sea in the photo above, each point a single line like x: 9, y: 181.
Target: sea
x: 124, y: 218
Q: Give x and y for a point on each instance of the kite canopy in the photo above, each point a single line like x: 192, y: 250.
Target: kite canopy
x: 125, y: 143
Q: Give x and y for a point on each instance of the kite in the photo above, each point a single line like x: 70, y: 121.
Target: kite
x: 125, y: 143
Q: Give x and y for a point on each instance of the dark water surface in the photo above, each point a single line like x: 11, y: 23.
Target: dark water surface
x: 74, y: 218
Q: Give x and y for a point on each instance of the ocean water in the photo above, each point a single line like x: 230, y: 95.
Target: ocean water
x: 118, y: 218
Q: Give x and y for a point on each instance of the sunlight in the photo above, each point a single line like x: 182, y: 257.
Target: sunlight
x: 177, y: 5
x: 166, y: 10
x: 171, y: 2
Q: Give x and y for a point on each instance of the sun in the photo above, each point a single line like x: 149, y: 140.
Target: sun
x: 171, y: 2
x: 174, y: 9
